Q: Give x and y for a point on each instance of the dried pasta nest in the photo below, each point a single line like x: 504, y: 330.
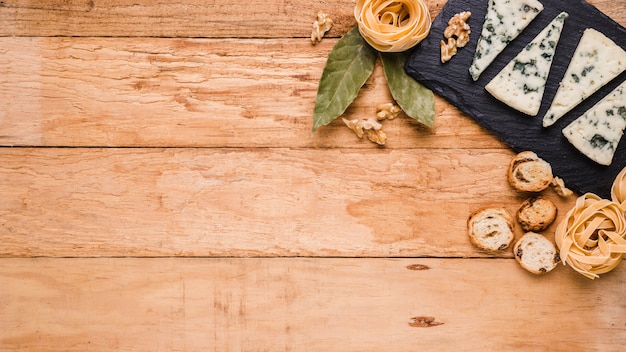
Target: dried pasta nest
x: 392, y: 26
x: 592, y: 236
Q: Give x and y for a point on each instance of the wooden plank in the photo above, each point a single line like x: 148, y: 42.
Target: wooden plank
x: 185, y: 92
x: 299, y: 304
x: 191, y: 92
x: 248, y: 202
x: 191, y: 18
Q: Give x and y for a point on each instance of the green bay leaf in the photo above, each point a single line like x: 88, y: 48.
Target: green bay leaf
x: 417, y: 101
x: 350, y: 63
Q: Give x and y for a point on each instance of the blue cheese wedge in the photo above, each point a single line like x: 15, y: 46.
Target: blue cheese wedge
x: 522, y: 82
x: 504, y: 21
x: 598, y: 131
x: 596, y: 61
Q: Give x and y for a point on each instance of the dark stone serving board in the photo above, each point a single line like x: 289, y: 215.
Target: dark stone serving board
x: 522, y: 132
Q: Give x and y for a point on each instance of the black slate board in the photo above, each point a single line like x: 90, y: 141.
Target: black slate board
x: 522, y: 132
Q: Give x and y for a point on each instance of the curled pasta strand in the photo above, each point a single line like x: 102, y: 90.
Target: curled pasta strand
x: 592, y: 236
x: 392, y: 26
x: 618, y: 190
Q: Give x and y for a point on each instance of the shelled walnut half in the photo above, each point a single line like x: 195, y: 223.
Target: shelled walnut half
x: 321, y: 25
x: 387, y: 111
x: 457, y: 35
x: 368, y: 127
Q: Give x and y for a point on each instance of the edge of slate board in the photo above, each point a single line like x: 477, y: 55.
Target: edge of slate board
x: 519, y: 131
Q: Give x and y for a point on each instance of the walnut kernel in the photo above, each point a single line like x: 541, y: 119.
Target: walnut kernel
x: 448, y: 50
x: 388, y: 111
x: 377, y: 136
x: 355, y: 125
x: 321, y: 25
x: 368, y: 127
x: 371, y: 124
x: 457, y: 33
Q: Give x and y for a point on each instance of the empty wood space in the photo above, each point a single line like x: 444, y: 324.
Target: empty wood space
x: 161, y: 190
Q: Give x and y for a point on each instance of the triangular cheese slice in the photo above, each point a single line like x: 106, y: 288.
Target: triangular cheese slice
x: 504, y: 21
x: 522, y: 81
x: 596, y: 61
x: 598, y: 131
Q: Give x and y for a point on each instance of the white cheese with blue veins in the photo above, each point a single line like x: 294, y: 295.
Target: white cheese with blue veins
x: 522, y: 82
x: 596, y: 61
x: 504, y: 21
x: 598, y: 131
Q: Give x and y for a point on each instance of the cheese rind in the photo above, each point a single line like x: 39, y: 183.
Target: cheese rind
x: 598, y: 131
x: 596, y: 61
x: 504, y: 21
x: 521, y: 83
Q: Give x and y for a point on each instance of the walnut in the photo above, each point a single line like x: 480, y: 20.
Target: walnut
x: 388, y: 111
x: 377, y: 136
x: 460, y: 32
x: 321, y: 25
x: 355, y: 125
x: 369, y: 127
x: 448, y: 50
x: 457, y: 33
x: 371, y: 124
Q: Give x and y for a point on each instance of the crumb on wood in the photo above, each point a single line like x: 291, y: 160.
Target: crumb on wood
x: 559, y: 187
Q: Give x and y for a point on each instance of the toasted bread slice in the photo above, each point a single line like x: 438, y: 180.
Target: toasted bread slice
x: 529, y: 173
x: 536, y: 214
x: 491, y: 229
x: 536, y: 253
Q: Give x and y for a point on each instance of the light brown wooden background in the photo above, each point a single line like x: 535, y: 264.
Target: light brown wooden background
x: 160, y: 190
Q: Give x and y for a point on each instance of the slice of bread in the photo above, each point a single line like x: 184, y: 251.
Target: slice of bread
x: 529, y: 173
x: 491, y: 229
x: 536, y: 253
x: 536, y: 214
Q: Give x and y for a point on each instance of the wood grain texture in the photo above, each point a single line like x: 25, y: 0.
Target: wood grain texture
x: 191, y: 92
x: 185, y: 92
x: 304, y: 304
x: 191, y: 18
x: 166, y: 193
x: 250, y: 202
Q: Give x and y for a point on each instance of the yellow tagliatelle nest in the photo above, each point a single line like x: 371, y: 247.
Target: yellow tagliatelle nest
x: 592, y: 237
x: 392, y: 26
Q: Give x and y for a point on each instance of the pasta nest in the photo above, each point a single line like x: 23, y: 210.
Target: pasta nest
x: 392, y: 26
x: 592, y: 236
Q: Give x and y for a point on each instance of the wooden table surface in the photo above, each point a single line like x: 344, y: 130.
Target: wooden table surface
x: 161, y: 191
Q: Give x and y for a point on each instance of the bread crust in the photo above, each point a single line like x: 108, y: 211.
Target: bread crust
x: 491, y: 228
x: 536, y: 214
x: 527, y: 172
x: 535, y: 253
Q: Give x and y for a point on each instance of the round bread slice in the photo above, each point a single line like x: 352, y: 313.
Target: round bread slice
x: 491, y: 229
x: 536, y: 214
x: 529, y: 173
x: 536, y: 253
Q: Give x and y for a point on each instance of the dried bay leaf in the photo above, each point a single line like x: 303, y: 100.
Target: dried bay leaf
x: 417, y: 101
x: 349, y: 64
